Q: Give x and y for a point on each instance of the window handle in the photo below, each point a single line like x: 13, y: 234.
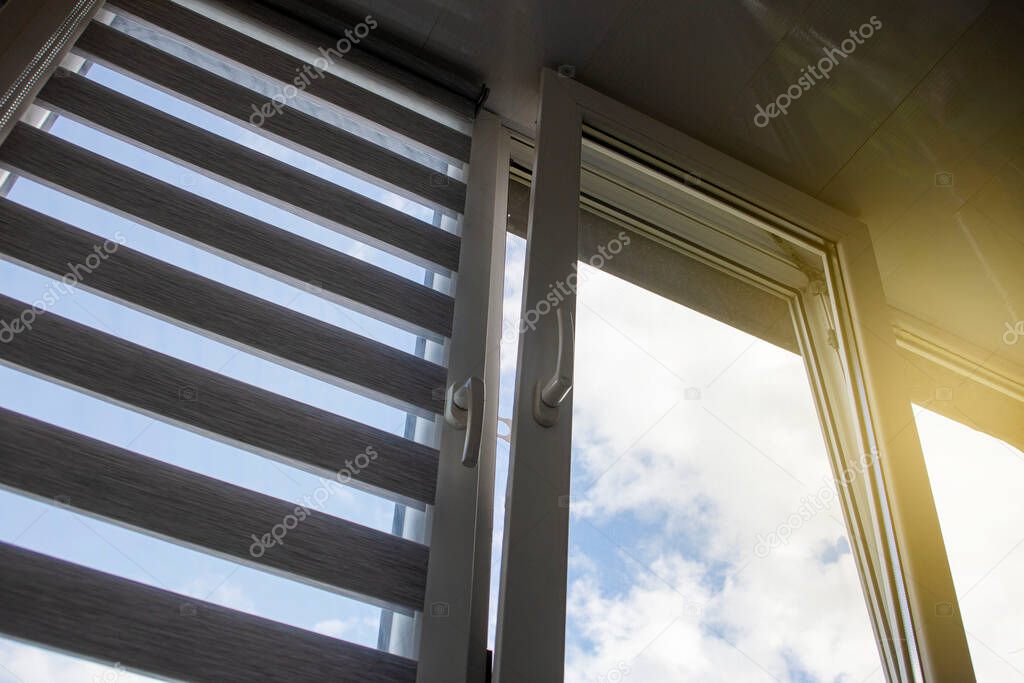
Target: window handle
x: 548, y: 396
x: 464, y: 410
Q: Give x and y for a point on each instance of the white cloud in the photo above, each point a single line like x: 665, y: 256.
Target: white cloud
x: 679, y: 487
x: 356, y: 629
x: 21, y: 663
x: 219, y: 590
x: 977, y: 482
x: 512, y: 301
x: 720, y: 467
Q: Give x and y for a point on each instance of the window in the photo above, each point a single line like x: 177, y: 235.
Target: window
x: 694, y: 259
x: 707, y: 541
x: 977, y: 480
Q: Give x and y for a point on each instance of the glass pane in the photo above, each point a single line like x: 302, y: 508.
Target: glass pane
x: 984, y: 541
x: 24, y: 663
x: 512, y: 302
x: 707, y: 542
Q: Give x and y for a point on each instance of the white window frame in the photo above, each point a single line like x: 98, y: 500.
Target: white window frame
x: 863, y: 403
x: 453, y: 638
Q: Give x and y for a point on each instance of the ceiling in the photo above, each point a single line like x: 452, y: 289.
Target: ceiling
x: 919, y: 133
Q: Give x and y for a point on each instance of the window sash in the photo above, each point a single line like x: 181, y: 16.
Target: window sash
x: 902, y: 558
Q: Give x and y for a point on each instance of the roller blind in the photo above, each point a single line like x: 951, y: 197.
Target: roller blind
x: 330, y: 138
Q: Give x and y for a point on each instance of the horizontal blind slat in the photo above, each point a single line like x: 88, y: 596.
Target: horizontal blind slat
x: 368, y: 288
x: 309, y: 195
x: 320, y: 24
x: 283, y: 67
x: 53, y: 463
x: 117, y: 50
x: 304, y: 28
x: 105, y: 617
x: 215, y: 405
x: 360, y: 363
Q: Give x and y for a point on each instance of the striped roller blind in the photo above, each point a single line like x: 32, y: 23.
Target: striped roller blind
x: 288, y: 197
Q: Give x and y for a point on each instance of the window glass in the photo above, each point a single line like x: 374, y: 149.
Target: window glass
x: 707, y: 542
x: 977, y: 481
